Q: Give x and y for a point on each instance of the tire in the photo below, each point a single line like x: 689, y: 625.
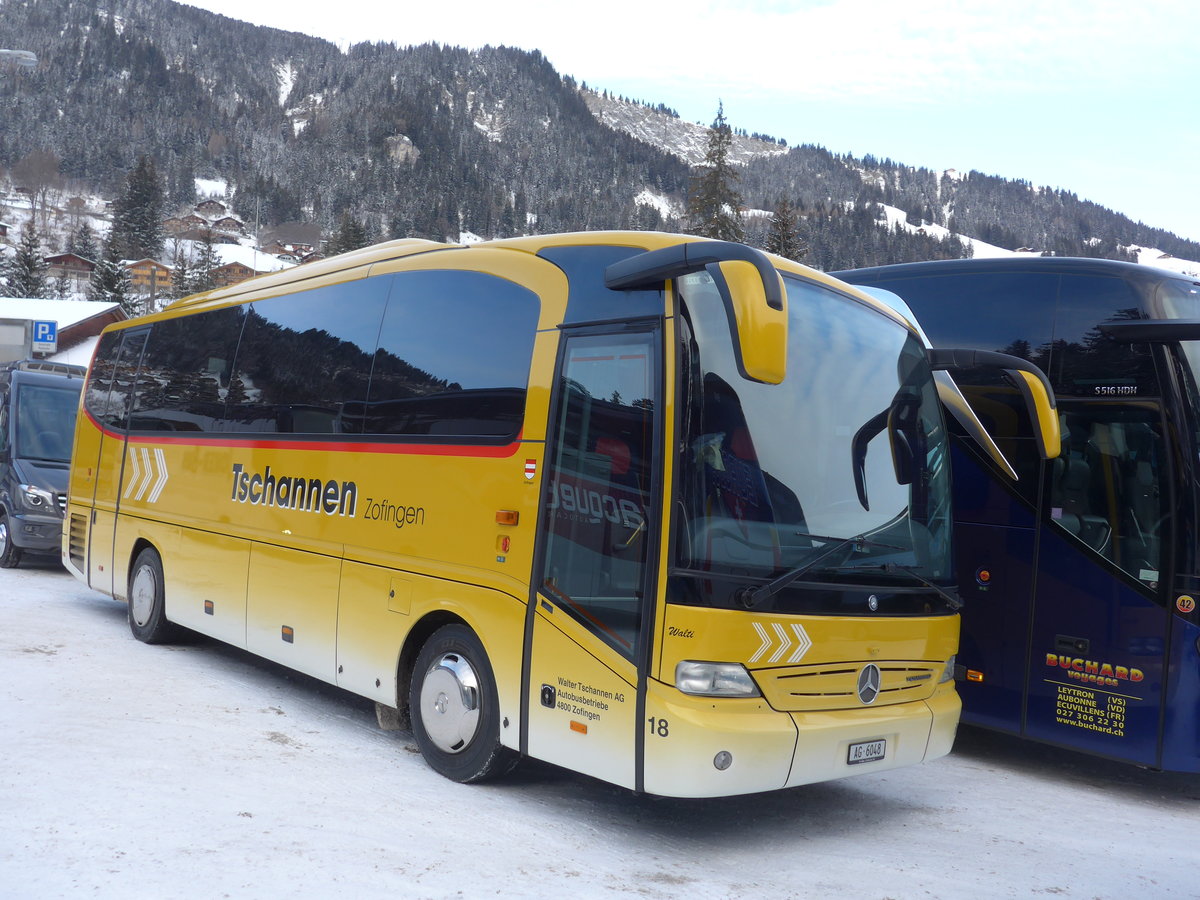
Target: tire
x: 147, y: 606
x: 10, y: 553
x: 454, y: 709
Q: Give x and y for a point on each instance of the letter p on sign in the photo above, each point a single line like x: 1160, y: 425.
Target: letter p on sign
x: 45, y: 337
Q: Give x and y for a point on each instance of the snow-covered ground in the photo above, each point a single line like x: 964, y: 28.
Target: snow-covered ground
x: 201, y: 771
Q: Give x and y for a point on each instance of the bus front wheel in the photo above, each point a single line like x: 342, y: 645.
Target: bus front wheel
x: 454, y: 708
x: 10, y: 553
x: 147, y: 606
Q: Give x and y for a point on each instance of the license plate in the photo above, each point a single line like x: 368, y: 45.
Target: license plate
x: 865, y: 752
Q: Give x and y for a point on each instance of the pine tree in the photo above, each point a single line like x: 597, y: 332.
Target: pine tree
x: 351, y: 235
x: 26, y: 271
x: 110, y: 281
x: 714, y: 203
x: 783, y: 238
x: 183, y: 276
x: 203, y: 274
x: 82, y: 242
x: 138, y: 213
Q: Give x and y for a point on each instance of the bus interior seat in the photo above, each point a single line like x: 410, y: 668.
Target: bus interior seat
x: 1072, y: 477
x: 617, y: 452
x: 741, y: 446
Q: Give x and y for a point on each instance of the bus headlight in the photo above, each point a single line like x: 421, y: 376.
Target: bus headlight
x: 36, y: 499
x: 712, y: 679
x: 948, y: 672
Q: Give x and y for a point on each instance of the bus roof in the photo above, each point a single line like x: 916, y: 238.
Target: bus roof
x: 1061, y: 264
x: 363, y: 259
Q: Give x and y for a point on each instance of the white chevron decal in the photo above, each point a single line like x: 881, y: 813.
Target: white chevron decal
x: 135, y: 473
x: 148, y: 474
x: 766, y: 642
x: 161, y: 483
x: 803, y: 643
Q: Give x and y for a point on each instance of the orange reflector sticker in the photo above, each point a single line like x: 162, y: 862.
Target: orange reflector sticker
x: 578, y: 726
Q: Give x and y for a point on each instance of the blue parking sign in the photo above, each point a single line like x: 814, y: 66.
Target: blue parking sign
x: 45, y: 337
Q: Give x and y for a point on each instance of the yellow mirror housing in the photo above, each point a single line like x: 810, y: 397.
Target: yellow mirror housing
x: 750, y: 287
x: 762, y: 330
x: 1029, y: 380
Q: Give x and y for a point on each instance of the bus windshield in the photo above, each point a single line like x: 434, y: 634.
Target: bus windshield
x: 868, y: 503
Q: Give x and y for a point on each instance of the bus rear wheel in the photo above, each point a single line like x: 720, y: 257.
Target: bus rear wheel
x: 147, y: 604
x: 454, y: 708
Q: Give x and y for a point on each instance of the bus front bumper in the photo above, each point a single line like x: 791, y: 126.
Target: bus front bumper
x: 716, y: 747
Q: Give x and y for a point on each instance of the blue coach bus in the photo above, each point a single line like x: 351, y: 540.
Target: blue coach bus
x: 1080, y: 579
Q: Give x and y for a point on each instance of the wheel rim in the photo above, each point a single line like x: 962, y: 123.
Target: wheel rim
x: 3, y: 536
x: 141, y: 595
x: 450, y: 703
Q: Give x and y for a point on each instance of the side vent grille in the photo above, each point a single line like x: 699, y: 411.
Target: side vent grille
x: 77, y: 543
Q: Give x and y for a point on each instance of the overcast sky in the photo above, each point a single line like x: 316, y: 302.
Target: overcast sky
x: 1098, y: 97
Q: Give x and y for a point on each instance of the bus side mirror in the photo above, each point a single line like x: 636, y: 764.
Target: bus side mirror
x: 900, y: 420
x: 1031, y: 381
x: 760, y: 329
x: 750, y: 288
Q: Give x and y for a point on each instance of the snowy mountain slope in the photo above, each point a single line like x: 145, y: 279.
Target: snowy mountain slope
x: 686, y: 140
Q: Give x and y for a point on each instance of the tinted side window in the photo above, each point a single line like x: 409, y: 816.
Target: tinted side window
x: 590, y: 299
x: 99, y: 383
x: 453, y: 357
x: 305, y: 358
x: 1084, y: 362
x: 1108, y: 487
x: 113, y: 378
x: 185, y: 374
x: 1006, y: 312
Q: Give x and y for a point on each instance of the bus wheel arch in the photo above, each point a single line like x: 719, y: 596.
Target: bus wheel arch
x: 10, y: 553
x: 421, y: 632
x: 454, y: 706
x: 146, y: 597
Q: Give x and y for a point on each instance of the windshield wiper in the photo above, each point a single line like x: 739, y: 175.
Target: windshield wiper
x: 752, y: 596
x: 891, y: 568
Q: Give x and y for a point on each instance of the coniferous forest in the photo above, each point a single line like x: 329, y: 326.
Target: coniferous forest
x: 431, y: 141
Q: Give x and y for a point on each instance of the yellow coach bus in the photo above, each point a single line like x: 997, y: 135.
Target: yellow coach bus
x: 664, y: 511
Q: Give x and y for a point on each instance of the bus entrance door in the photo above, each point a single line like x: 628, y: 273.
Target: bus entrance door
x: 994, y: 540
x: 1099, y: 628
x: 586, y: 626
x: 104, y: 472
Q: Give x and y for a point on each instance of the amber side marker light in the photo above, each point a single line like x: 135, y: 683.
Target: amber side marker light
x: 974, y: 675
x: 578, y: 726
x: 289, y: 634
x: 507, y: 516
